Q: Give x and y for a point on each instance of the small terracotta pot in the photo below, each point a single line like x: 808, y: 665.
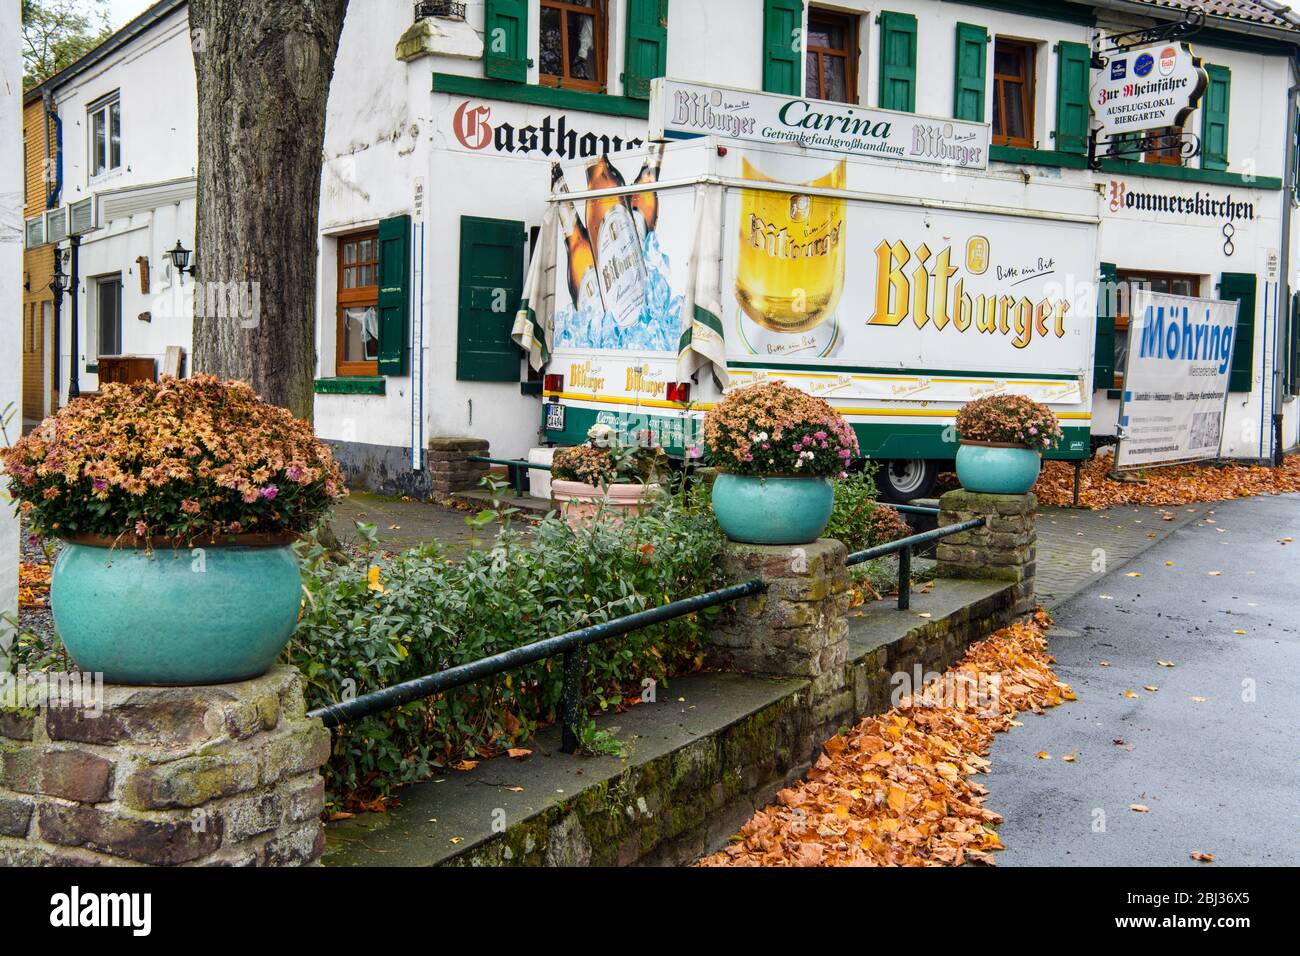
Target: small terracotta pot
x: 581, y: 503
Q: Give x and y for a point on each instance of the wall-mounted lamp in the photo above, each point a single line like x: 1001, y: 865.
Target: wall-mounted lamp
x: 59, y: 281
x: 180, y: 257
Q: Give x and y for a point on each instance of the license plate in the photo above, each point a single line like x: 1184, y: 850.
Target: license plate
x: 555, y: 418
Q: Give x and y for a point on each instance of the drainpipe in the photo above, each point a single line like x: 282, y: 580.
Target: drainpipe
x: 1283, y: 312
x: 52, y: 196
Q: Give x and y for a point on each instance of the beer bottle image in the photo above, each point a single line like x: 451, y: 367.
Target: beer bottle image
x: 645, y: 206
x: 620, y: 265
x: 584, y: 287
x: 790, y: 270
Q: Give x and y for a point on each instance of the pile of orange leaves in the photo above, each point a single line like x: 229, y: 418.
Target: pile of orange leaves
x: 1175, y: 485
x: 898, y: 789
x: 33, y: 585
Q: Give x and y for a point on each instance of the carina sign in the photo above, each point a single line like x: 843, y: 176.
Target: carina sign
x: 1147, y: 88
x: 684, y: 110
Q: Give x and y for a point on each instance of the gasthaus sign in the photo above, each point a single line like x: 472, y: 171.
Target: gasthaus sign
x: 1147, y: 88
x: 1176, y: 379
x: 683, y: 110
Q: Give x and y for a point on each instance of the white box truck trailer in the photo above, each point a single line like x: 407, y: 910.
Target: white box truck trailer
x: 896, y: 292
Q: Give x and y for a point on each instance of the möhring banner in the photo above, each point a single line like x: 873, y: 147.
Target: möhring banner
x: 682, y: 110
x: 1175, y: 386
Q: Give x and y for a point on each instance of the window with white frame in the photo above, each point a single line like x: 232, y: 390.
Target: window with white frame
x: 104, y: 122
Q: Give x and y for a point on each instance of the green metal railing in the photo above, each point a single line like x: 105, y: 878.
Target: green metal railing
x: 572, y: 645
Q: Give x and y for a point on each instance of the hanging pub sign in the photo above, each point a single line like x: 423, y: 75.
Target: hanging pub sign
x: 681, y: 110
x: 1147, y: 88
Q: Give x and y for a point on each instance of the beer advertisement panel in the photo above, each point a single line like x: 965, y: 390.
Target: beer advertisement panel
x: 856, y: 299
x: 819, y: 281
x: 1176, y: 379
x: 680, y: 110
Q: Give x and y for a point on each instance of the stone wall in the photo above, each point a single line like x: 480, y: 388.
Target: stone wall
x: 386, y: 470
x: 226, y: 775
x: 797, y: 628
x: 450, y: 469
x: 1005, y: 549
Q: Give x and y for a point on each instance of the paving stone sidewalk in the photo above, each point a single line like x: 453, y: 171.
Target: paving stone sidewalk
x: 1076, y: 548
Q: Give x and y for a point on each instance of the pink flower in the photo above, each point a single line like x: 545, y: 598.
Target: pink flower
x: 845, y: 453
x: 807, y: 440
x: 100, y: 484
x: 820, y: 436
x: 269, y: 492
x: 141, y: 529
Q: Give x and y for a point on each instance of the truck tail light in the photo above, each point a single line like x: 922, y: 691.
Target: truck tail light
x: 679, y: 392
x: 553, y: 383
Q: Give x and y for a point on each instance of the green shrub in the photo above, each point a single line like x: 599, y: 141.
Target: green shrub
x: 378, y: 621
x: 858, y: 519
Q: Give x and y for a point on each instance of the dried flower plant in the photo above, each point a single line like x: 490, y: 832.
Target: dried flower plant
x: 179, y: 458
x: 1009, y: 420
x: 772, y: 429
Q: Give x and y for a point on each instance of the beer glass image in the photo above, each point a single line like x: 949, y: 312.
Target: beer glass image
x: 790, y: 269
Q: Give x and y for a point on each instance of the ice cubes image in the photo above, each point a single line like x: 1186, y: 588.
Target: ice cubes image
x: 658, y: 329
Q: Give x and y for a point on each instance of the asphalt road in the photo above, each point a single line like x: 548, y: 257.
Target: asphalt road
x: 1214, y: 752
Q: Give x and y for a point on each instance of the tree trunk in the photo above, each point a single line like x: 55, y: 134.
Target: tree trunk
x: 263, y: 73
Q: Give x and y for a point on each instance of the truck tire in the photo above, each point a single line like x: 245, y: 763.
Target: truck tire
x: 902, y: 479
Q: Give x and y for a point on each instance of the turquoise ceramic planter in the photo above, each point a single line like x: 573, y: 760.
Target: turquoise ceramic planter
x: 773, y: 510
x: 213, y: 616
x: 995, y: 470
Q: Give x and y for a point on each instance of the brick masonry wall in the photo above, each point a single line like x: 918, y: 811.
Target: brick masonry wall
x: 1005, y: 549
x: 798, y: 628
x: 450, y: 469
x: 226, y: 775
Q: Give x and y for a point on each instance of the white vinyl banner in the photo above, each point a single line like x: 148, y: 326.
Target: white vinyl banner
x: 1176, y: 379
x: 680, y: 110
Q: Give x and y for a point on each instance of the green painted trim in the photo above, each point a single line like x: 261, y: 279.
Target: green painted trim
x: 92, y: 367
x: 1129, y: 167
x: 535, y: 95
x: 871, y: 370
x: 1037, y: 157
x: 1188, y: 174
x: 1062, y: 12
x: 530, y: 388
x: 352, y: 385
x: 876, y: 440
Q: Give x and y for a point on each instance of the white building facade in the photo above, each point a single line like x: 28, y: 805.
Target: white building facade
x: 454, y: 123
x: 444, y: 119
x: 123, y: 192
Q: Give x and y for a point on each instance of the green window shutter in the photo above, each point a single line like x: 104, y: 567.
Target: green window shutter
x: 972, y: 66
x: 394, y: 295
x: 898, y: 61
x: 1214, y: 118
x: 1241, y: 286
x: 491, y: 285
x: 505, y: 40
x: 783, y: 47
x: 1074, y: 73
x: 647, y: 46
x: 1103, y: 360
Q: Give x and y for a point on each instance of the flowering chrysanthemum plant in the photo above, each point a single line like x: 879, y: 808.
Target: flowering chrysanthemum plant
x: 179, y: 459
x: 772, y: 429
x: 1009, y: 420
x: 604, y: 459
